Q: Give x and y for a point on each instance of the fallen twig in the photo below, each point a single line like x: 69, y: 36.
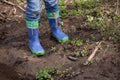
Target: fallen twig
x: 2, y: 15
x: 117, y: 7
x: 12, y: 4
x: 20, y: 8
x: 2, y: 19
x: 93, y: 54
x: 8, y: 2
x: 14, y: 10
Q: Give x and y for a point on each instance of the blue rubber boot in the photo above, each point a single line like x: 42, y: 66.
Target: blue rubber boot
x: 34, y: 43
x: 54, y: 23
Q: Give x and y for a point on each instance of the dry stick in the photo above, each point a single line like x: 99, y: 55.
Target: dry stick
x: 2, y: 15
x: 117, y: 7
x: 3, y: 18
x: 93, y: 54
x: 10, y: 3
x: 20, y: 8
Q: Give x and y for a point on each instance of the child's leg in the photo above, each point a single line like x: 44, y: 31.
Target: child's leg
x: 32, y: 18
x: 51, y: 5
x: 33, y: 13
x: 54, y: 20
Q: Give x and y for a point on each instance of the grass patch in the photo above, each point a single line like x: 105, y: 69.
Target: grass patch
x: 76, y: 42
x: 97, y: 16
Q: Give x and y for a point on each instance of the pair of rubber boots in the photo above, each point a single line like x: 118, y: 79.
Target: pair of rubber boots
x: 34, y: 43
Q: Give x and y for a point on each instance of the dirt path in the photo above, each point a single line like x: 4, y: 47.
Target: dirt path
x: 15, y: 53
x: 7, y: 73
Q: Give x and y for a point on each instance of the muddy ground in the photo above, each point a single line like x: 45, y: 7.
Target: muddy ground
x: 17, y: 62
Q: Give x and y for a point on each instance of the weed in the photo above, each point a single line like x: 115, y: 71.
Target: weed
x: 96, y: 20
x: 114, y: 17
x: 86, y: 3
x: 82, y: 53
x: 79, y: 7
x: 92, y: 36
x: 99, y: 18
x: 77, y: 54
x: 53, y: 49
x: 117, y: 36
x: 77, y: 42
x: 45, y: 74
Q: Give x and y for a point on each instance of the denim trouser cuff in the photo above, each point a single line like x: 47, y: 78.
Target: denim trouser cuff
x: 33, y: 8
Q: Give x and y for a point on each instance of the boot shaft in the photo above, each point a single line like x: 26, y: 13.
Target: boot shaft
x: 54, y: 23
x: 54, y: 20
x: 34, y: 43
x: 33, y: 33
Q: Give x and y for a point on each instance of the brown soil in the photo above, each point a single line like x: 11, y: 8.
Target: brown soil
x: 20, y: 63
x: 7, y: 73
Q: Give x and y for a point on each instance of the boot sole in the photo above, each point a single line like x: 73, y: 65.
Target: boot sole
x: 66, y: 39
x: 36, y: 52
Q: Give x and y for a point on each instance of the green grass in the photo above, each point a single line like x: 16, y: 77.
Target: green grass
x: 50, y: 72
x: 53, y: 49
x: 45, y: 73
x: 99, y: 17
x: 82, y: 52
x: 76, y: 42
